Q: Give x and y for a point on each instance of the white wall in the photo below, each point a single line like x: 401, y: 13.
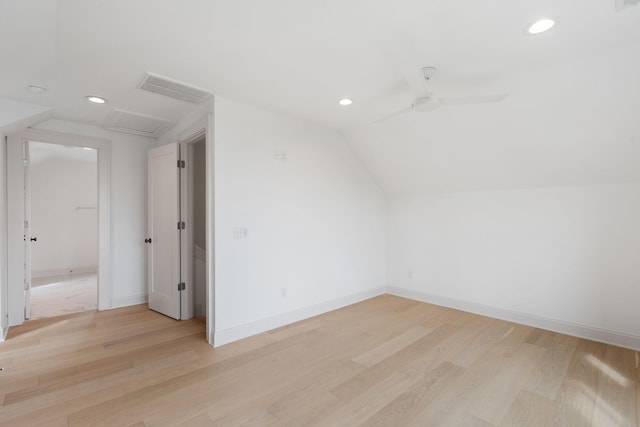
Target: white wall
x: 567, y: 253
x: 67, y: 236
x: 128, y: 208
x: 316, y: 222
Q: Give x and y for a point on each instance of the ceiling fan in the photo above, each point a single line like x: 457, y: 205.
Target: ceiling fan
x: 426, y: 100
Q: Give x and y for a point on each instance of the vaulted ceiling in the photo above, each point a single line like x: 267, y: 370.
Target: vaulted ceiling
x: 570, y: 118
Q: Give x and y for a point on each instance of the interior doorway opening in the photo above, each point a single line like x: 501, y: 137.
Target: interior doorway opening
x: 170, y: 248
x: 18, y: 289
x: 179, y: 261
x: 61, y: 229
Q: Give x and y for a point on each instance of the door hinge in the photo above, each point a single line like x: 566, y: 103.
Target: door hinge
x: 26, y: 224
x: 181, y: 286
x: 181, y: 164
x: 26, y: 286
x: 181, y: 225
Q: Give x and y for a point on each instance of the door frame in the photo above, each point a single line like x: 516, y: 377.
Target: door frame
x: 203, y: 127
x: 27, y: 229
x: 15, y: 214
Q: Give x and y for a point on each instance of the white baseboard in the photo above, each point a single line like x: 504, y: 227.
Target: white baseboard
x: 36, y: 274
x: 3, y: 333
x: 236, y: 333
x: 588, y: 332
x: 129, y: 300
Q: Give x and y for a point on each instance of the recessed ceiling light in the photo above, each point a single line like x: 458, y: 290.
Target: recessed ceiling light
x: 541, y: 25
x: 37, y: 89
x: 345, y: 101
x: 96, y: 99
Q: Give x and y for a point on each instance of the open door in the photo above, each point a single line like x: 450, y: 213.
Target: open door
x: 27, y: 231
x: 163, y: 239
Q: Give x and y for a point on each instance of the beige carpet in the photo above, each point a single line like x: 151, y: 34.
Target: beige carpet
x: 54, y: 296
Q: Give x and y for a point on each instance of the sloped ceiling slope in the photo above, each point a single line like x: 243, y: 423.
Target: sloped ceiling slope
x: 575, y: 123
x: 300, y: 57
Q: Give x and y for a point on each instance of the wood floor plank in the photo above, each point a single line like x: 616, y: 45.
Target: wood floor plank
x: 393, y: 345
x: 56, y: 414
x: 616, y: 393
x: 510, y: 342
x: 360, y: 406
x: 385, y: 361
x: 450, y: 405
x: 362, y: 381
x: 575, y: 403
x: 541, y: 337
x: 547, y: 378
x: 528, y: 410
x: 500, y: 392
x: 408, y: 404
x: 478, y: 344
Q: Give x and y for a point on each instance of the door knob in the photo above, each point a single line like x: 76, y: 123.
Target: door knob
x: 147, y: 240
x: 34, y: 239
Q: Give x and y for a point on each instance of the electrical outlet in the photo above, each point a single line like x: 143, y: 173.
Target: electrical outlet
x: 410, y: 274
x: 240, y: 233
x: 283, y: 292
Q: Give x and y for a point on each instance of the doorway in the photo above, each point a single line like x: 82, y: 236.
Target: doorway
x: 180, y: 258
x: 61, y: 254
x: 18, y: 231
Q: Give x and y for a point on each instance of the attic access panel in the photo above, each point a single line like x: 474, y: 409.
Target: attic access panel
x: 136, y: 123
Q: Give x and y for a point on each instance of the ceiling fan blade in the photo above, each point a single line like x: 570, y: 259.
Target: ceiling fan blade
x: 416, y: 81
x: 390, y: 116
x: 469, y: 100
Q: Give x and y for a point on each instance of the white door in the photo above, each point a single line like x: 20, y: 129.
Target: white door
x: 163, y: 239
x: 27, y: 232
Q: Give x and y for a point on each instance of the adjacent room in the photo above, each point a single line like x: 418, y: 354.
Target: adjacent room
x: 63, y: 229
x: 337, y: 213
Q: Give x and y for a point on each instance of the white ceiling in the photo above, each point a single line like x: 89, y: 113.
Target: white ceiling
x: 300, y: 57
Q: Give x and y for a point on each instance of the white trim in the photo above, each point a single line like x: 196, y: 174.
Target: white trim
x: 15, y: 215
x: 129, y: 300
x: 248, y: 329
x: 210, y: 293
x: 4, y: 304
x: 15, y: 236
x: 3, y: 333
x: 64, y: 271
x: 547, y: 323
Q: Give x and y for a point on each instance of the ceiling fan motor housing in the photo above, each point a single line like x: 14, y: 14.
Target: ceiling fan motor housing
x: 426, y: 103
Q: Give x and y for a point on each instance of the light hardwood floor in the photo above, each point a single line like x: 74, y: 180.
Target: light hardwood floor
x: 58, y: 295
x: 387, y: 361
